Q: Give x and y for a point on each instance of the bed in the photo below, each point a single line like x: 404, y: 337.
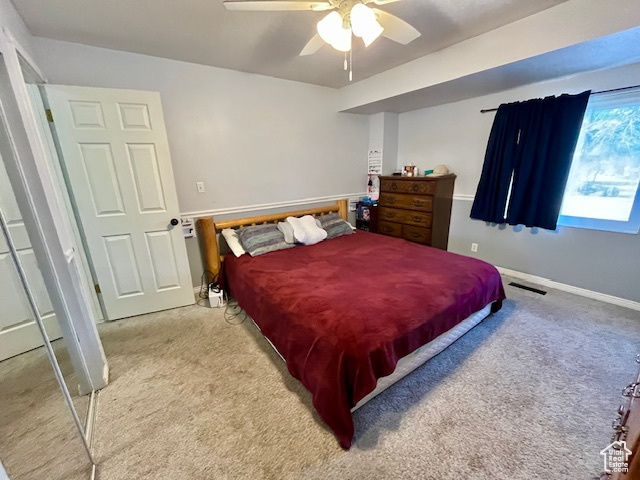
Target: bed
x: 353, y: 314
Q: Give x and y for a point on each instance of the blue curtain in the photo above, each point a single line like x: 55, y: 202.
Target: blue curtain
x: 530, y: 147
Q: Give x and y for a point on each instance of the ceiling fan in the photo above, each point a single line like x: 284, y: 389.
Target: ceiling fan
x: 348, y: 17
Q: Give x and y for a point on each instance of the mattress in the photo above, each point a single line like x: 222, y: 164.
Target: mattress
x: 408, y: 364
x: 419, y: 357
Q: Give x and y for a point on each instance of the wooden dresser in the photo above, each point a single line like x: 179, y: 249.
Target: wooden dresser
x: 627, y: 429
x: 416, y: 208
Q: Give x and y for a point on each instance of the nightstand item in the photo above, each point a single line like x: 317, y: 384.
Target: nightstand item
x: 367, y: 216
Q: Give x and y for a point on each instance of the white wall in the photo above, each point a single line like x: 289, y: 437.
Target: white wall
x: 252, y: 139
x: 10, y: 19
x: 383, y: 137
x: 456, y: 135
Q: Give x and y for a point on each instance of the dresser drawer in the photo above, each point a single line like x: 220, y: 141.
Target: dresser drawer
x: 629, y: 430
x: 407, y: 186
x: 389, y: 228
x: 411, y: 202
x: 417, y: 234
x: 420, y: 219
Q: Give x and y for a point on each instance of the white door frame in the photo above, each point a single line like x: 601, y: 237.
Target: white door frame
x: 54, y: 248
x: 55, y: 170
x: 3, y: 474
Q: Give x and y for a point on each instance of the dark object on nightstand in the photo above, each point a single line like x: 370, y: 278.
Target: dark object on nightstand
x: 367, y: 216
x: 416, y: 208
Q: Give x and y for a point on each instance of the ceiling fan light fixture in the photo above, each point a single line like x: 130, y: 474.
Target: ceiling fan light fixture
x: 375, y: 30
x: 331, y: 30
x: 342, y: 40
x: 364, y: 23
x: 329, y: 27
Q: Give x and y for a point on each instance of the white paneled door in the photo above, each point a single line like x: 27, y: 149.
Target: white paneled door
x: 18, y: 330
x: 117, y: 161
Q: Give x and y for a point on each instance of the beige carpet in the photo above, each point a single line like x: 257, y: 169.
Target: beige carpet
x: 38, y: 439
x: 528, y: 394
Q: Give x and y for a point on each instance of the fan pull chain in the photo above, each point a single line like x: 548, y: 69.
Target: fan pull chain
x: 345, y: 61
x: 350, y: 65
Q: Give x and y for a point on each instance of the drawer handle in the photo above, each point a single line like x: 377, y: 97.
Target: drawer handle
x: 617, y: 436
x: 389, y: 214
x: 630, y: 390
x: 415, y: 235
x: 415, y: 187
x: 417, y: 219
x: 418, y: 203
x: 618, y: 426
x: 391, y: 200
x: 388, y: 229
x: 394, y: 186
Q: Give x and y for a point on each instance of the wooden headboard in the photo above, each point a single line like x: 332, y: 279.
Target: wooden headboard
x: 208, y: 228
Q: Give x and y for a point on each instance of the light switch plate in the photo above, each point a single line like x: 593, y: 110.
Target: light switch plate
x: 200, y: 187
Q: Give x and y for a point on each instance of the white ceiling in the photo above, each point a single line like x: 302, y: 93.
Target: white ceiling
x: 267, y: 43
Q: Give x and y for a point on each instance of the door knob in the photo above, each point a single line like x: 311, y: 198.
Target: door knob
x: 174, y: 221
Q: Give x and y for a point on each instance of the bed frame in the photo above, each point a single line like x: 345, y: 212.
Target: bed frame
x: 208, y: 229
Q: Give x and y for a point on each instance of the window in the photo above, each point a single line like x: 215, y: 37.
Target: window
x: 602, y: 190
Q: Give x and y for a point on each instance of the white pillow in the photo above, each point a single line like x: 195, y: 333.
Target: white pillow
x: 306, y: 230
x: 233, y: 241
x: 287, y: 231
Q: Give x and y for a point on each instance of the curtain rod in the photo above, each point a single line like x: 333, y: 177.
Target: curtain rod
x: 487, y: 110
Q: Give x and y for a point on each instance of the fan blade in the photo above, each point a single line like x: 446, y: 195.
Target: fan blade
x: 395, y: 28
x: 312, y: 46
x: 272, y: 5
x: 381, y: 2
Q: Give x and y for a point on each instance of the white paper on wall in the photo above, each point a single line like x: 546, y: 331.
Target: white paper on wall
x: 374, y: 165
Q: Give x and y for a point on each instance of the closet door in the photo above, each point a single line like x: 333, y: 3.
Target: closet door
x: 18, y: 331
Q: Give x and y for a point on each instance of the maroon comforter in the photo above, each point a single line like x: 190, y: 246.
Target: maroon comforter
x: 344, y: 311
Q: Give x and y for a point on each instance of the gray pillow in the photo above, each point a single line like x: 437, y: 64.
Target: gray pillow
x: 335, y: 225
x: 260, y: 239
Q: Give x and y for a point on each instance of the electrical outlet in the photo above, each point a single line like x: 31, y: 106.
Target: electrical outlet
x: 474, y: 247
x: 200, y: 187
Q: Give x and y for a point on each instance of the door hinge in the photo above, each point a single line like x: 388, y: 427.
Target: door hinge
x: 47, y: 111
x: 97, y: 287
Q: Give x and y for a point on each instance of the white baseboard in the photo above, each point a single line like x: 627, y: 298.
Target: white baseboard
x: 583, y: 292
x: 463, y: 198
x: 90, y: 419
x: 105, y: 374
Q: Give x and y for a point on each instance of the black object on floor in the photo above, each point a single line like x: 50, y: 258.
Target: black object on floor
x: 525, y: 287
